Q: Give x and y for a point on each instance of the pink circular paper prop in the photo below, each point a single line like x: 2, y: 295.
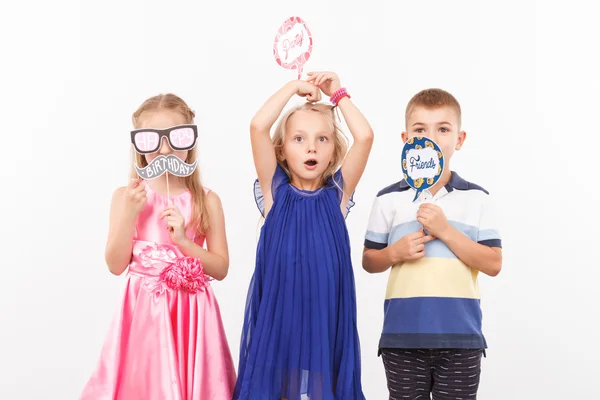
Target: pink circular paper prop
x: 293, y: 44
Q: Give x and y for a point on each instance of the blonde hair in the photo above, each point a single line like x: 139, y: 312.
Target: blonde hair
x: 340, y: 140
x: 432, y: 99
x: 193, y: 182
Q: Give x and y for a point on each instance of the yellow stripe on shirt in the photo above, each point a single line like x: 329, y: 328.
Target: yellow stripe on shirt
x: 433, y: 277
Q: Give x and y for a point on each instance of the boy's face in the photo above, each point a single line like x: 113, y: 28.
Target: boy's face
x: 439, y: 124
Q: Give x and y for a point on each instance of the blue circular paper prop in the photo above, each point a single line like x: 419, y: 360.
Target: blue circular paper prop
x: 422, y: 163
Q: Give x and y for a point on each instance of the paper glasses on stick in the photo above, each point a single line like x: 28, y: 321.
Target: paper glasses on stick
x: 179, y: 138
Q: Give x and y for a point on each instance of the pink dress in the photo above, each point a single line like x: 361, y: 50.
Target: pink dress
x: 167, y: 340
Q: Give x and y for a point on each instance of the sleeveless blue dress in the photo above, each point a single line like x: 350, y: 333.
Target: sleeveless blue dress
x: 299, y: 338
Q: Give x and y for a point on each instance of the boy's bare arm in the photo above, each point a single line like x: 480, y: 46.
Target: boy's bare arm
x: 477, y: 256
x: 375, y: 261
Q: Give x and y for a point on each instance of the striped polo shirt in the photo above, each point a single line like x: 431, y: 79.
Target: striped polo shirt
x: 433, y: 302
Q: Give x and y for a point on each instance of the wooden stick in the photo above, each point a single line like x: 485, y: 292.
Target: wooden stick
x: 168, y: 193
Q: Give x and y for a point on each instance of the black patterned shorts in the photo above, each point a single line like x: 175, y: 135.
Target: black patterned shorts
x: 447, y: 374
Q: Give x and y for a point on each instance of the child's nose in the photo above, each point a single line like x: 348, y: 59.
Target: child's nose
x: 164, y: 146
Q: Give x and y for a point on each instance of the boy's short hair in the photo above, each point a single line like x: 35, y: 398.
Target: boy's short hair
x: 432, y: 99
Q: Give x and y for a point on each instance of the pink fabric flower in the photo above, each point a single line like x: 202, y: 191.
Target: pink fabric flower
x: 193, y: 274
x: 172, y: 276
x: 178, y: 273
x: 186, y: 274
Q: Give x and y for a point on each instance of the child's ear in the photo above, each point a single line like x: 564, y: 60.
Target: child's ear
x: 462, y: 136
x: 404, y: 136
x: 280, y: 156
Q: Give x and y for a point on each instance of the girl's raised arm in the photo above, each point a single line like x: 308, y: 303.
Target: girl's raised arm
x: 362, y: 134
x: 260, y: 132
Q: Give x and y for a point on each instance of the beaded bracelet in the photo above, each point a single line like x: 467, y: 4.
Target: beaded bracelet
x: 338, y: 95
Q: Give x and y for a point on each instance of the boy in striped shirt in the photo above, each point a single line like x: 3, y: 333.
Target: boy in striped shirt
x: 432, y: 340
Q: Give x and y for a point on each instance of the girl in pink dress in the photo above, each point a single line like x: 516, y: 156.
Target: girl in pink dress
x: 167, y: 340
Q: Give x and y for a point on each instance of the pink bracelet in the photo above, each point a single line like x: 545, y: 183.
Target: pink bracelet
x: 338, y: 95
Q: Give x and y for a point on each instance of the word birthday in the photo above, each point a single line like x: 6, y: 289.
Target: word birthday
x: 288, y: 44
x: 415, y: 162
x: 162, y: 164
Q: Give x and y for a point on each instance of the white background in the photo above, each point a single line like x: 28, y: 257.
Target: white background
x: 526, y: 75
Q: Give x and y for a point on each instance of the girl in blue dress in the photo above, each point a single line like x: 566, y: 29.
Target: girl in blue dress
x: 299, y: 338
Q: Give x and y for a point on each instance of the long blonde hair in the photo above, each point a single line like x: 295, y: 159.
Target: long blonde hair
x: 340, y: 140
x: 193, y: 182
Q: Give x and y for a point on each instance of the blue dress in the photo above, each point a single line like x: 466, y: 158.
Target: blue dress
x: 299, y: 338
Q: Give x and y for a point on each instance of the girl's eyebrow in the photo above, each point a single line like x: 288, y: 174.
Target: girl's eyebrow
x: 301, y: 132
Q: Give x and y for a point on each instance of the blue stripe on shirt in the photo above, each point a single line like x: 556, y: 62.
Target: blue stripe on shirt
x: 432, y: 315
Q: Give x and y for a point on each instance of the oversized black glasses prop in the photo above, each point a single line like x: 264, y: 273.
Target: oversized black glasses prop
x: 180, y: 138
